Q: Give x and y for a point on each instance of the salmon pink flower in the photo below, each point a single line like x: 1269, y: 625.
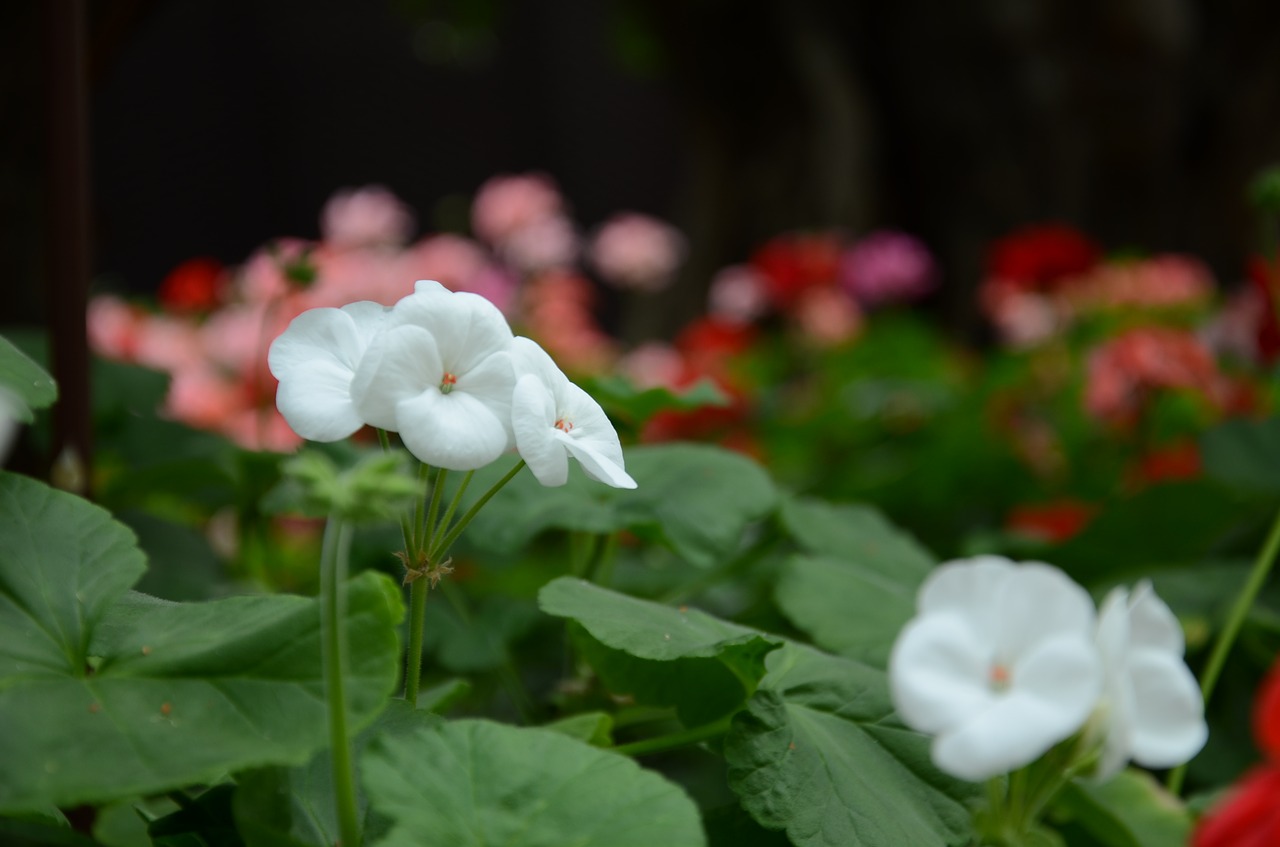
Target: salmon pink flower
x: 365, y: 217
x: 998, y: 664
x: 554, y: 419
x: 637, y: 252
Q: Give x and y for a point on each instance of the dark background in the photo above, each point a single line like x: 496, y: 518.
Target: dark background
x: 218, y: 125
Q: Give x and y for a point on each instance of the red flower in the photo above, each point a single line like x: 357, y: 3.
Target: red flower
x: 1180, y: 460
x: 709, y: 344
x: 796, y: 262
x: 1249, y: 816
x: 1055, y: 522
x: 1265, y: 276
x: 1041, y: 255
x: 196, y: 285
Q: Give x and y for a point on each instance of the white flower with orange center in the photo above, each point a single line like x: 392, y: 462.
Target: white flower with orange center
x: 554, y: 419
x: 999, y: 664
x: 440, y: 375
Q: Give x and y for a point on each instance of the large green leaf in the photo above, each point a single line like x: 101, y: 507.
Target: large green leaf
x: 694, y: 498
x: 854, y: 596
x: 819, y: 753
x: 662, y: 655
x: 107, y: 694
x: 277, y: 806
x: 1244, y: 453
x: 24, y: 382
x: 1129, y: 810
x: 474, y: 783
x: 858, y: 533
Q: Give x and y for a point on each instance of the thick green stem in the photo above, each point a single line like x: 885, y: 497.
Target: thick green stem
x: 1227, y: 637
x: 333, y: 614
x: 419, y: 514
x: 442, y: 547
x: 429, y: 530
x: 417, y: 618
x: 675, y: 740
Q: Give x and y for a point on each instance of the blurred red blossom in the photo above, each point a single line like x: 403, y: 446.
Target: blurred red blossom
x: 793, y: 263
x: 1041, y: 255
x: 1264, y: 276
x: 1054, y: 521
x: 1123, y: 371
x: 196, y: 285
x: 1249, y: 814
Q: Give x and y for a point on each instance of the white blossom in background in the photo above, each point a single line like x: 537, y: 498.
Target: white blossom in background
x: 440, y: 375
x: 1151, y: 708
x: 315, y: 359
x: 999, y: 664
x: 554, y: 419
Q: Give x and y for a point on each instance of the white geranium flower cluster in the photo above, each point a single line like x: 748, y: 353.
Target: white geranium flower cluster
x: 444, y: 370
x: 1003, y: 661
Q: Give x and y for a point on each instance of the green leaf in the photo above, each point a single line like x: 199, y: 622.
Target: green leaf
x: 858, y: 533
x: 661, y: 655
x: 295, y: 806
x: 819, y: 753
x: 623, y: 399
x: 474, y: 783
x: 854, y: 597
x: 1244, y: 454
x: 181, y: 564
x: 28, y: 386
x: 594, y: 728
x: 106, y: 694
x: 846, y: 607
x: 481, y: 641
x: 1129, y: 810
x: 696, y: 499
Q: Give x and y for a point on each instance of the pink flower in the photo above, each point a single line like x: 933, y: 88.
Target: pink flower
x: 638, y: 252
x: 827, y: 316
x: 201, y: 397
x: 1023, y: 318
x: 274, y: 270
x: 887, y: 267
x: 452, y: 260
x: 739, y: 294
x: 1124, y: 371
x: 1158, y: 282
x: 365, y: 217
x: 506, y: 204
x: 113, y: 327
x: 167, y: 343
x: 261, y: 428
x: 546, y: 244
x: 653, y: 364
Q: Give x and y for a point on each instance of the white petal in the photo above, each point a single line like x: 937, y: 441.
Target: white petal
x: 455, y: 431
x: 1169, y: 726
x: 533, y: 420
x: 491, y: 382
x: 938, y: 673
x: 1038, y: 601
x: 598, y: 466
x: 315, y: 400
x: 1065, y: 673
x: 369, y: 319
x: 1151, y: 623
x: 325, y: 333
x: 428, y: 286
x: 1015, y: 731
x: 467, y: 327
x: 528, y: 357
x: 402, y: 362
x: 970, y: 586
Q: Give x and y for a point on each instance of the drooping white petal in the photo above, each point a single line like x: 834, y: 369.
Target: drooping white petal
x: 1152, y: 624
x: 401, y: 363
x: 455, y: 431
x: 1016, y: 730
x: 315, y: 400
x: 528, y: 357
x: 938, y: 673
x: 533, y: 420
x: 1170, y: 726
x: 597, y: 465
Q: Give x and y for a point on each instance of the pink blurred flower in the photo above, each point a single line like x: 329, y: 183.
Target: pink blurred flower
x: 739, y: 294
x: 113, y: 327
x: 1161, y: 281
x: 365, y: 217
x: 653, y: 364
x: 827, y: 316
x: 1022, y: 318
x: 269, y: 273
x: 506, y: 204
x: 167, y: 343
x: 637, y: 252
x: 202, y: 397
x: 261, y: 428
x: 887, y: 267
x: 452, y: 260
x: 1123, y: 371
x: 546, y: 244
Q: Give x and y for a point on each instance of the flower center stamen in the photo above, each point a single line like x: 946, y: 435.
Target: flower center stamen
x: 447, y: 382
x: 999, y: 678
x: 564, y: 424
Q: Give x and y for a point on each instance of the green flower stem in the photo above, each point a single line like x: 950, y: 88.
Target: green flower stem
x: 333, y: 610
x: 433, y: 511
x: 453, y: 504
x: 419, y: 515
x: 442, y: 547
x: 405, y: 528
x: 676, y: 740
x: 605, y: 558
x: 1226, y: 638
x: 417, y: 620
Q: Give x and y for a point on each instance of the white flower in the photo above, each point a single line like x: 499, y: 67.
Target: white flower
x: 315, y: 359
x: 1151, y: 706
x: 554, y: 419
x: 999, y: 664
x: 439, y: 374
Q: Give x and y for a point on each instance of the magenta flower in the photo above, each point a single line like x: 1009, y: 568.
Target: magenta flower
x: 887, y: 267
